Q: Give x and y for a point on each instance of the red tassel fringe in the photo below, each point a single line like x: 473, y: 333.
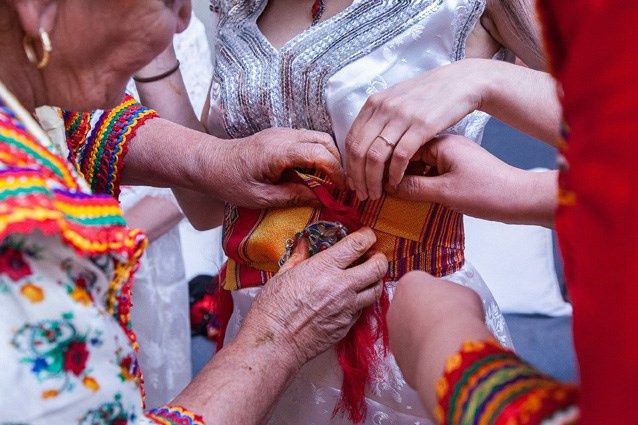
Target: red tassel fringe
x: 357, y: 356
x: 357, y: 353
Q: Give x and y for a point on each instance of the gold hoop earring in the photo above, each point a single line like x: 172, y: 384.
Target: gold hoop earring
x: 45, y: 40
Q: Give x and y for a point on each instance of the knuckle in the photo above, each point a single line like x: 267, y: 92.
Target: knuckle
x: 374, y: 101
x: 261, y: 201
x: 389, y: 107
x: 423, y: 121
x: 375, y: 156
x: 357, y: 153
x: 402, y: 154
x: 411, y: 185
x: 379, y: 270
x: 444, y: 190
x: 381, y: 265
x: 405, y: 110
x: 352, y: 142
x: 359, y: 243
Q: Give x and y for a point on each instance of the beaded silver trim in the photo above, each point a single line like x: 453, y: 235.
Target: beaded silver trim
x: 258, y: 87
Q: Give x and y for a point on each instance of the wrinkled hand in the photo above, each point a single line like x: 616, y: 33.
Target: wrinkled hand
x: 307, y: 308
x: 253, y: 167
x: 474, y: 182
x: 408, y: 115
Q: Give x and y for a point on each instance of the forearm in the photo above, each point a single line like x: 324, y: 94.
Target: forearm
x: 532, y: 199
x: 522, y: 98
x: 203, y: 212
x: 240, y: 384
x: 165, y: 154
x: 169, y: 98
x: 154, y: 215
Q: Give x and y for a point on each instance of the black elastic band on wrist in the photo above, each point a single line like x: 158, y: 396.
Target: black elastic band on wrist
x: 157, y: 77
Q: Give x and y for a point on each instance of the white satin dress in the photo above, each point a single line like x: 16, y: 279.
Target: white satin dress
x: 320, y: 80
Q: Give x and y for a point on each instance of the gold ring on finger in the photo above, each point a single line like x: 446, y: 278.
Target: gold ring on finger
x: 387, y: 142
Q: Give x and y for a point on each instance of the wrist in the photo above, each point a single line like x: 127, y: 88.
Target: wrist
x: 488, y: 82
x: 269, y: 348
x: 162, y: 63
x: 537, y: 197
x: 208, y: 170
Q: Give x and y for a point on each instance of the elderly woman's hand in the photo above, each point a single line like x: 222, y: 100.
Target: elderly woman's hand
x: 254, y: 167
x: 248, y: 172
x: 472, y: 181
x: 306, y: 308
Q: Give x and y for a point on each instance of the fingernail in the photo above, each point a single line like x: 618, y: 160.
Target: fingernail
x: 362, y: 196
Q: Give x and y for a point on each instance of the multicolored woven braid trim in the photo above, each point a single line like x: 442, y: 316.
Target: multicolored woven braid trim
x: 92, y: 225
x: 487, y: 384
x: 98, y: 142
x: 18, y: 148
x: 174, y: 415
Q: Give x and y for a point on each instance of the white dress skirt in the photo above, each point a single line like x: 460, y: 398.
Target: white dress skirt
x: 312, y: 396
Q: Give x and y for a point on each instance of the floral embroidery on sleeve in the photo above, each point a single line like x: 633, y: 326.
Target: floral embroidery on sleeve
x: 57, y: 354
x: 110, y: 413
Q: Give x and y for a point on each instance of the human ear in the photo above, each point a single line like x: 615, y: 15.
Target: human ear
x: 183, y: 10
x: 36, y: 15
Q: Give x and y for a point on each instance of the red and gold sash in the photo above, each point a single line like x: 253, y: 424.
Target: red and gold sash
x: 413, y: 235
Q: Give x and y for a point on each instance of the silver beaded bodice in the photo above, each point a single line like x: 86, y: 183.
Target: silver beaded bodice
x: 256, y: 86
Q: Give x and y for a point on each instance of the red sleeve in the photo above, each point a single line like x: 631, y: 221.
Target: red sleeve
x: 595, y: 58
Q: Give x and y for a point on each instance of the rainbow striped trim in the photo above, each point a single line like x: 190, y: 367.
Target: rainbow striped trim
x: 18, y: 148
x: 98, y: 149
x: 174, y: 415
x: 487, y: 384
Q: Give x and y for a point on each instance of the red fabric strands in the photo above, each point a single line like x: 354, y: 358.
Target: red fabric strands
x: 357, y: 352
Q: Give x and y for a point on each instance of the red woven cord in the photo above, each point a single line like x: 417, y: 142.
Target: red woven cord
x: 357, y: 353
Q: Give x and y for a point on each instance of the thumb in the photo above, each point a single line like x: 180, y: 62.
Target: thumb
x: 299, y: 254
x: 420, y: 188
x: 351, y: 248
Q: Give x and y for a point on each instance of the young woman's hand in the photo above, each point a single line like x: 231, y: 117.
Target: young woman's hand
x: 395, y: 123
x: 474, y: 182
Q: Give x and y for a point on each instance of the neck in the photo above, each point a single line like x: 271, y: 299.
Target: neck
x: 21, y: 77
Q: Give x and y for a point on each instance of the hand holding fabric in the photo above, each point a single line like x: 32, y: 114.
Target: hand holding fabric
x: 472, y: 181
x: 307, y: 308
x: 395, y: 123
x: 254, y: 166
